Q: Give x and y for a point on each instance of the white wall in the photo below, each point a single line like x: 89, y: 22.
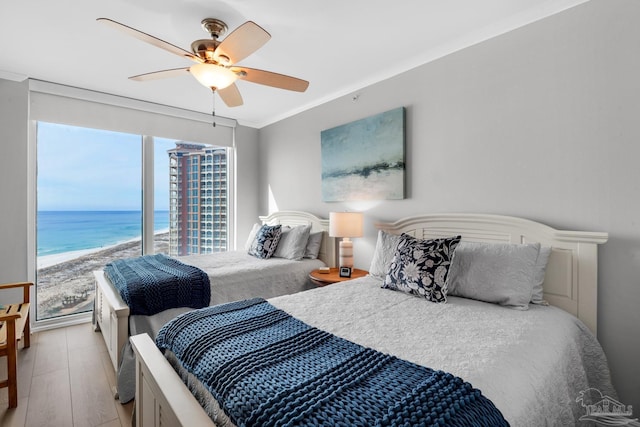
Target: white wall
x: 14, y: 109
x: 541, y: 123
x: 246, y: 182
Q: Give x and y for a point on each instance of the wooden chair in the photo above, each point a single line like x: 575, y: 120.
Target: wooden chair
x: 14, y: 320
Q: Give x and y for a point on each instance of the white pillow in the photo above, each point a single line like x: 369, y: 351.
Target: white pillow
x: 383, y: 255
x: 313, y: 245
x: 293, y: 243
x: 541, y: 267
x: 501, y: 273
x: 252, y: 236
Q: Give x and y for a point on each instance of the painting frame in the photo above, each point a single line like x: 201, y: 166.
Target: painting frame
x: 365, y: 159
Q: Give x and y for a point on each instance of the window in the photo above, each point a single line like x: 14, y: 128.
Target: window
x: 88, y: 199
x: 74, y: 107
x: 89, y: 209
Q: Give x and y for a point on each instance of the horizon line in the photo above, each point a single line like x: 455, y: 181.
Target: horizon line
x: 97, y: 210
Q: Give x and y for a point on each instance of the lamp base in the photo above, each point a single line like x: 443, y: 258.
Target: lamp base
x: 345, y: 253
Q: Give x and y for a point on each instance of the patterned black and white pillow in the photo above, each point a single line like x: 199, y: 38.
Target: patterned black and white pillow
x: 266, y: 241
x: 420, y: 267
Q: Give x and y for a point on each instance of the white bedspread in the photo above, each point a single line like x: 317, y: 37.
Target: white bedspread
x: 531, y: 364
x: 235, y: 275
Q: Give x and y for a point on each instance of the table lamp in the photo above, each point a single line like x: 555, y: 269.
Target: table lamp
x: 345, y: 225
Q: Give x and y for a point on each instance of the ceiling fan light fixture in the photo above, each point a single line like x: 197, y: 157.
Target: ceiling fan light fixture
x: 213, y: 76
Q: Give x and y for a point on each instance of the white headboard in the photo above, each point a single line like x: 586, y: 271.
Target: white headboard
x: 293, y: 218
x: 571, y: 280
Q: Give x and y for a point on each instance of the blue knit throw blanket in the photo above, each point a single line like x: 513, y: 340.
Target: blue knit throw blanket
x: 266, y: 368
x: 153, y: 283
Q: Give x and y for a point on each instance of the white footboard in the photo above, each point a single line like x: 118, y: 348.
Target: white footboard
x: 162, y: 399
x: 112, y: 316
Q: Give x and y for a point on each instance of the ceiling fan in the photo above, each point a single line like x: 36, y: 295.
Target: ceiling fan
x: 215, y: 60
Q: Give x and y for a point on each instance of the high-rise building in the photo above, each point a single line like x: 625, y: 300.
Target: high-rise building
x: 198, y: 199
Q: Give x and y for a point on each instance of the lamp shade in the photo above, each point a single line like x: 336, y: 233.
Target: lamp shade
x: 212, y: 75
x: 345, y: 224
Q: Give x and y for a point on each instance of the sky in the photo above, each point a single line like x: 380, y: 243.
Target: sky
x: 90, y: 169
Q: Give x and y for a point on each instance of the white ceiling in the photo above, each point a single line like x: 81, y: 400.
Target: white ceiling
x: 338, y: 46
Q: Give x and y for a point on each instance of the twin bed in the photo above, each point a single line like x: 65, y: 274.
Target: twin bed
x: 233, y: 275
x: 533, y: 365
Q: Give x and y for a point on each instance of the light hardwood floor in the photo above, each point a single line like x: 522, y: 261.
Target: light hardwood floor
x: 65, y: 379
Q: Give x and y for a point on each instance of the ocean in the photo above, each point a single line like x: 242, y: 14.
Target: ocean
x: 66, y: 231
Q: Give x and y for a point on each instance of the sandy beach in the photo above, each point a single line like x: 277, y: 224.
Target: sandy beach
x: 50, y: 260
x: 69, y: 276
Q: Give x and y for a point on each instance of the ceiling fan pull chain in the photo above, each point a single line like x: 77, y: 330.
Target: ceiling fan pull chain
x: 213, y: 113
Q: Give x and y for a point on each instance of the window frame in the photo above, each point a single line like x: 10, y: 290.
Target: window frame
x: 54, y: 103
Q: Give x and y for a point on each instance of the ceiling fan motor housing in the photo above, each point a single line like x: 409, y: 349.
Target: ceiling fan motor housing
x: 215, y: 27
x: 204, y: 48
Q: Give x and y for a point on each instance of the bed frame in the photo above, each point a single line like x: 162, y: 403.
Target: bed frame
x: 571, y: 279
x: 111, y: 314
x: 162, y: 399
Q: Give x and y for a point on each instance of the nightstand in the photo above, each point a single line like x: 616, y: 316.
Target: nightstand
x: 333, y: 276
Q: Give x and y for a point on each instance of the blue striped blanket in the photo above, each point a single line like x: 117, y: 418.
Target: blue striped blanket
x: 154, y: 283
x: 266, y: 367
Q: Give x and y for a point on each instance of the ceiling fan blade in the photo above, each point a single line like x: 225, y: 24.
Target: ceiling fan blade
x: 155, y: 75
x: 242, y: 42
x: 149, y: 39
x: 231, y: 95
x: 269, y: 78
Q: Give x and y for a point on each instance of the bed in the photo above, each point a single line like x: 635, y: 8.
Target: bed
x: 233, y: 275
x: 531, y: 364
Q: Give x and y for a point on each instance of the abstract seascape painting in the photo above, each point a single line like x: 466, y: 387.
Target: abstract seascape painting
x: 364, y: 160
